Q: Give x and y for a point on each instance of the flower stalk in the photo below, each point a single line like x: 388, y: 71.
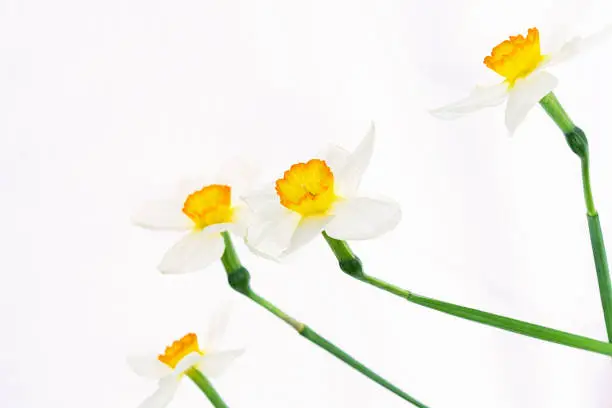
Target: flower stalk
x: 578, y: 143
x: 239, y: 280
x: 207, y: 388
x: 351, y: 265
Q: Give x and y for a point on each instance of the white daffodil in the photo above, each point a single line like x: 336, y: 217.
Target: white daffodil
x: 205, y: 210
x: 320, y: 194
x: 183, y: 355
x: 523, y: 65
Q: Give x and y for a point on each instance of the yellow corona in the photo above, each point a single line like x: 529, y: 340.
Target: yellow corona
x: 179, y: 349
x: 516, y: 57
x: 210, y: 205
x: 307, y: 188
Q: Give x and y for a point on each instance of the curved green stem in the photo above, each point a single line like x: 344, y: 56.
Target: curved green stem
x: 239, y: 279
x: 204, y: 384
x: 578, y: 143
x: 351, y: 265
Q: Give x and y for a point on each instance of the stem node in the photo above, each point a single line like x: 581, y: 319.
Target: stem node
x: 240, y: 280
x: 352, y: 267
x: 577, y: 141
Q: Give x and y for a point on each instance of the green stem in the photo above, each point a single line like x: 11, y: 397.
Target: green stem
x: 586, y: 186
x: 297, y: 325
x: 320, y: 341
x: 578, y: 143
x: 331, y: 348
x: 501, y: 322
x: 475, y: 315
x: 603, y: 273
x: 349, y: 262
x: 230, y: 258
x: 203, y: 384
x: 555, y: 110
x: 239, y: 279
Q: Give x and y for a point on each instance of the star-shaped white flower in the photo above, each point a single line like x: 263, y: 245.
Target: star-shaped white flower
x: 526, y: 81
x: 205, y: 208
x: 183, y: 355
x: 320, y: 194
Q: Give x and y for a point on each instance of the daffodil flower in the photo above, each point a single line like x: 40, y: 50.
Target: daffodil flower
x: 316, y: 195
x: 182, y: 356
x: 203, y: 209
x: 522, y: 64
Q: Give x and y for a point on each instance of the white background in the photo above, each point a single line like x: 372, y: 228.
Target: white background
x: 104, y: 103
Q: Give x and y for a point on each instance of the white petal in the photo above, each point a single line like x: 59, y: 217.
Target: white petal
x: 162, y: 397
x: 238, y: 173
x: 336, y: 157
x: 555, y: 38
x: 561, y: 19
x: 214, y: 364
x: 480, y: 97
x: 272, y: 235
x: 263, y: 201
x: 578, y: 45
x: 243, y: 218
x: 148, y: 366
x: 193, y: 252
x: 217, y: 326
x: 190, y: 360
x: 275, y: 257
x: 215, y: 229
x: 308, y: 229
x: 348, y: 178
x: 363, y: 218
x: 525, y: 94
x: 162, y: 215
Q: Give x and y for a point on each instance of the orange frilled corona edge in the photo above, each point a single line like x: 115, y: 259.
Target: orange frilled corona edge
x: 210, y: 205
x: 179, y: 349
x: 307, y: 188
x: 517, y: 56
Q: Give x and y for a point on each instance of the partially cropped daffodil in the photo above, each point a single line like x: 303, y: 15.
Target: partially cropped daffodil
x: 205, y: 210
x: 181, y: 357
x: 318, y: 195
x: 522, y: 63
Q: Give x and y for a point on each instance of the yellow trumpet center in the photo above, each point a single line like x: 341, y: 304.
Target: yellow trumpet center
x: 516, y: 57
x: 307, y: 188
x: 179, y: 349
x: 210, y: 205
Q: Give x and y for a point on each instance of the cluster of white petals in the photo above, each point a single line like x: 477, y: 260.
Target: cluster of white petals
x: 278, y: 231
x: 269, y: 228
x: 199, y: 247
x: 523, y: 94
x: 212, y: 361
x: 322, y: 194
